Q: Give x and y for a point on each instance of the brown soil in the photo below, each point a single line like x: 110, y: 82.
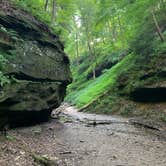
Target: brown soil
x: 80, y: 139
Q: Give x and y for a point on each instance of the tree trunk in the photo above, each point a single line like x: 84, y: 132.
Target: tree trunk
x: 110, y: 33
x: 114, y: 32
x: 46, y: 5
x: 90, y: 48
x: 95, y: 60
x: 94, y: 73
x: 53, y: 10
x: 157, y: 27
x: 121, y: 31
x: 92, y: 55
x: 77, y: 48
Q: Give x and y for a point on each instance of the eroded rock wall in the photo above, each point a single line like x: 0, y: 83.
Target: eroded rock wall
x: 35, y: 64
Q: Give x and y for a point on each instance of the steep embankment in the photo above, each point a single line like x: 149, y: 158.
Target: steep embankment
x: 136, y: 85
x: 34, y: 68
x: 102, y: 84
x: 140, y: 90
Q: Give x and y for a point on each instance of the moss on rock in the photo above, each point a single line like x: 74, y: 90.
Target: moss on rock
x: 36, y: 65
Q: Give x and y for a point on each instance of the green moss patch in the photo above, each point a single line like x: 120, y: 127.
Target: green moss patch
x: 102, y: 84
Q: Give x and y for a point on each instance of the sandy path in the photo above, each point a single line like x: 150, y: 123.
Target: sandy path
x: 77, y: 142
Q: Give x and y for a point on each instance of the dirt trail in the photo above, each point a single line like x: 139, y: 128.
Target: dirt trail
x: 82, y: 139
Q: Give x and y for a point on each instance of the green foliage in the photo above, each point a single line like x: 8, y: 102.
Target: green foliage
x: 145, y: 38
x: 125, y: 111
x: 36, y: 7
x: 163, y: 118
x: 101, y: 27
x: 3, y: 79
x: 11, y: 138
x: 101, y: 84
x: 159, y: 48
x: 96, y: 32
x: 110, y: 101
x: 2, y: 61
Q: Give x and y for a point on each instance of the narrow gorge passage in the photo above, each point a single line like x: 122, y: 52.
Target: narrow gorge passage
x: 81, y: 139
x: 106, y: 58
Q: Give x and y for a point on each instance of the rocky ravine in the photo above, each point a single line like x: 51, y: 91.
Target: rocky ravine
x: 35, y: 64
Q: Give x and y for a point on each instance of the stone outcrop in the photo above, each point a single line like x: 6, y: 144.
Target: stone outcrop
x: 146, y: 80
x: 36, y: 67
x: 138, y: 91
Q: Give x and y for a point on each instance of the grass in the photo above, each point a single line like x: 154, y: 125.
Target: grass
x: 10, y: 137
x: 101, y: 84
x: 163, y: 118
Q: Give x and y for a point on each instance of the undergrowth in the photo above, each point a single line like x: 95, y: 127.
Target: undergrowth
x: 101, y: 84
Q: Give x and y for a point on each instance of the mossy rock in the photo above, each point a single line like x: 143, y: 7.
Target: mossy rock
x: 36, y: 66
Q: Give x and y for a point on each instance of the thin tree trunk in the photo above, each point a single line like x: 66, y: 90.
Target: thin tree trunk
x: 95, y: 60
x: 77, y: 48
x: 92, y: 55
x: 90, y: 49
x: 46, y: 5
x: 110, y: 32
x: 114, y: 28
x: 103, y: 40
x: 53, y: 10
x: 94, y: 73
x: 121, y: 31
x: 120, y: 25
x: 157, y: 27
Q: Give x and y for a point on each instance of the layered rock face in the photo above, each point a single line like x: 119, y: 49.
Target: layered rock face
x: 35, y: 64
x: 146, y: 81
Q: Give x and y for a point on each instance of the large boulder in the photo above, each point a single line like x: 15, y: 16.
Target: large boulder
x: 35, y: 65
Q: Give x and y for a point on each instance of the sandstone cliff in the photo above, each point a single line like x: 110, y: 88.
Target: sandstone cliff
x: 35, y: 66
